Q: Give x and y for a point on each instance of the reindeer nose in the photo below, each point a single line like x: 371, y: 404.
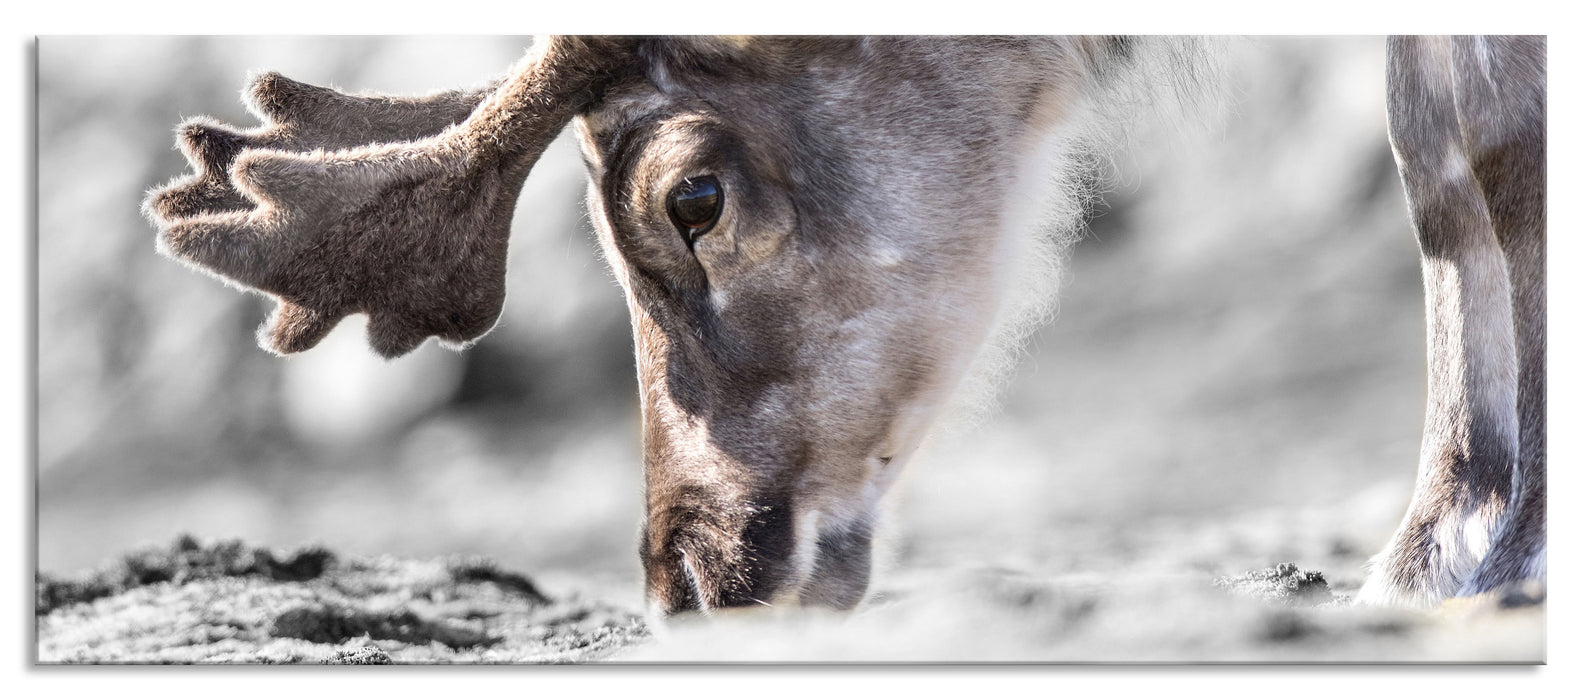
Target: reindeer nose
x: 696, y: 566
x: 675, y: 586
x: 725, y: 555
x: 697, y: 577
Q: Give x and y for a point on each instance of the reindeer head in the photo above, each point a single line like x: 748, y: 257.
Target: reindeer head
x: 810, y: 234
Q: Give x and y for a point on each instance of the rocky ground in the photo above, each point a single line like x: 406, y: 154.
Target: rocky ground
x: 224, y: 602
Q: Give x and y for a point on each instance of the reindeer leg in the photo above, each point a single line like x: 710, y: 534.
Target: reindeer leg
x: 1520, y: 551
x: 1506, y: 131
x: 1470, y: 436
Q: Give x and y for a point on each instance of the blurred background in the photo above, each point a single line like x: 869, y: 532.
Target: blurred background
x: 1235, y: 374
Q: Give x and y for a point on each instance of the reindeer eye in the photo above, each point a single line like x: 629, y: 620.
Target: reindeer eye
x: 694, y: 206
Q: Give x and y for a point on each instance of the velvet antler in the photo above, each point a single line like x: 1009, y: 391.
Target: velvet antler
x: 407, y: 220
x: 297, y: 117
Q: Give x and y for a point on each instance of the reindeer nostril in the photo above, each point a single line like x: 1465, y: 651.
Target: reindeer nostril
x: 693, y: 582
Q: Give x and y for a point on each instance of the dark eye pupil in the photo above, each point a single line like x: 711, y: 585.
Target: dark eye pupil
x: 695, y: 205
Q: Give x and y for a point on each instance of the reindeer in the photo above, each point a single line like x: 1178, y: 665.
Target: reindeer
x: 817, y: 237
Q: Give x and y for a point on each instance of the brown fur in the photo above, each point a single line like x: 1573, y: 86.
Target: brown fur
x: 785, y: 350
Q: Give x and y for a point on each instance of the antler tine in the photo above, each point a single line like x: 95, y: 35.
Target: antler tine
x: 409, y: 229
x: 327, y: 116
x: 297, y: 117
